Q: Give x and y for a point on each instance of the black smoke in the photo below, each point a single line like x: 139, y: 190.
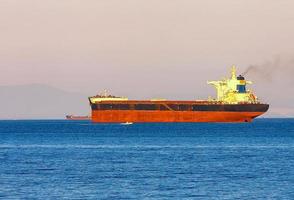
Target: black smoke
x: 272, y: 70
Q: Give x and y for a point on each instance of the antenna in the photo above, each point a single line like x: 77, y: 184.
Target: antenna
x: 233, y: 72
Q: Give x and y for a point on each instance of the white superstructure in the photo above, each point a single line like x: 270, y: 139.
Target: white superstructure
x: 233, y: 90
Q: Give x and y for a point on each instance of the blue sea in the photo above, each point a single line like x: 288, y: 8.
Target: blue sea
x: 59, y: 159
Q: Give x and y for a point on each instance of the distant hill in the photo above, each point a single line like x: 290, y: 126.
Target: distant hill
x: 37, y: 101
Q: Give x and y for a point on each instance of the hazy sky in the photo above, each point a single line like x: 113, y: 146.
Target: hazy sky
x: 142, y: 48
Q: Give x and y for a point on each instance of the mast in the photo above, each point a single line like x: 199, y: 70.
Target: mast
x: 233, y: 73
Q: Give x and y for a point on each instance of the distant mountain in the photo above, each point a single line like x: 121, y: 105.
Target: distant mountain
x: 38, y: 101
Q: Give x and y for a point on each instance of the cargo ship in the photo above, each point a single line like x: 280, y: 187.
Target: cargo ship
x: 74, y: 117
x: 233, y: 103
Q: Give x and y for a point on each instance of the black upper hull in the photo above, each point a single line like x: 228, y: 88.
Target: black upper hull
x: 162, y: 106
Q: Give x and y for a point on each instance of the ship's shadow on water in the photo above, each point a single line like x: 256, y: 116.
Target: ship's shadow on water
x: 56, y: 159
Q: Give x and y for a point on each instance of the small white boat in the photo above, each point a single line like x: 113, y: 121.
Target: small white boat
x: 127, y: 123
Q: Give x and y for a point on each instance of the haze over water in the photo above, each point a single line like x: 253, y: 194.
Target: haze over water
x: 145, y: 49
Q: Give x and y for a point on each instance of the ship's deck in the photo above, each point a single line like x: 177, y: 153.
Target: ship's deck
x: 190, y: 102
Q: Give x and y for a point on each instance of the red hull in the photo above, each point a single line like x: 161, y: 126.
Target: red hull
x: 121, y: 116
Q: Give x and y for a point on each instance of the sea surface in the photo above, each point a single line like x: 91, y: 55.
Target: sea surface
x: 59, y: 159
